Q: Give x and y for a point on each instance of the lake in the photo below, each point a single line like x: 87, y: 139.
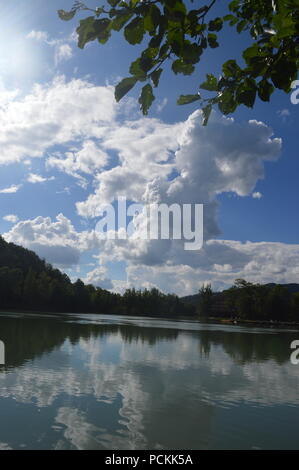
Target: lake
x: 119, y: 382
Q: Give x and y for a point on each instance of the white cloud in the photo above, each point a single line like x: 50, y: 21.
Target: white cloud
x: 7, y: 96
x: 220, y: 262
x: 88, y: 159
x: 11, y: 218
x: 38, y: 35
x: 58, y: 242
x: 98, y: 277
x: 284, y: 113
x: 257, y: 195
x: 63, y: 52
x: 35, y: 178
x: 223, y: 157
x: 161, y: 105
x: 50, y: 115
x: 11, y: 189
x: 153, y: 162
x: 145, y: 148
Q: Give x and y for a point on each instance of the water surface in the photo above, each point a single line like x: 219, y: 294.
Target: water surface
x: 117, y: 382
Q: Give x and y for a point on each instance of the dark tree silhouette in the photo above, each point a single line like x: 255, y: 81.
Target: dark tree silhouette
x: 29, y: 283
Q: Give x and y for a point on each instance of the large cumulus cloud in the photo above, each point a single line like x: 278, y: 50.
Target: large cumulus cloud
x: 145, y: 160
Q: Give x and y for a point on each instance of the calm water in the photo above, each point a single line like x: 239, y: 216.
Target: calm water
x: 109, y: 382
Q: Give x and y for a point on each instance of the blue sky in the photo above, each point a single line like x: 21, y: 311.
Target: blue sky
x: 67, y: 147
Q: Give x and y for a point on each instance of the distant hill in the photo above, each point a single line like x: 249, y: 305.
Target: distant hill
x: 244, y: 300
x: 292, y: 288
x: 194, y: 299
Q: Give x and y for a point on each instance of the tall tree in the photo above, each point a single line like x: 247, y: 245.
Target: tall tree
x: 205, y: 300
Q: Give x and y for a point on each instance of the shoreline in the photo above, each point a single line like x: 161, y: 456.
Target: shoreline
x: 222, y: 321
x: 248, y: 322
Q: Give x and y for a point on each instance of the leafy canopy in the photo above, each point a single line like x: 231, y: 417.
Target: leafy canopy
x: 175, y: 33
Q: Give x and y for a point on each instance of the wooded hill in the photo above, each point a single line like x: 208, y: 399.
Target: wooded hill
x: 30, y: 283
x: 246, y: 300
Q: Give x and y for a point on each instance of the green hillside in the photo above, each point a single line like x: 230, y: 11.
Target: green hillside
x: 29, y: 283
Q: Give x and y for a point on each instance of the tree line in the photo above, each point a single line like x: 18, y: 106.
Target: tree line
x: 249, y: 301
x: 30, y: 283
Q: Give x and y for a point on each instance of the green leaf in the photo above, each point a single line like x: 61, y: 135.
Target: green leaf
x: 155, y: 76
x: 113, y: 3
x: 66, y: 15
x: 234, y: 5
x: 123, y: 87
x: 258, y: 66
x: 179, y: 66
x: 148, y: 22
x: 191, y: 52
x: 231, y: 69
x: 206, y: 111
x: 156, y: 15
x: 265, y: 89
x: 212, y: 40
x: 164, y: 50
x: 156, y: 41
x: 186, y: 99
x: 226, y: 102
x: 284, y: 71
x: 150, y: 52
x: 90, y: 29
x: 250, y: 52
x: 215, y: 25
x: 246, y: 92
x: 228, y: 17
x: 233, y: 21
x: 211, y: 83
x: 146, y: 98
x: 284, y: 26
x: 241, y: 25
x: 86, y: 31
x: 152, y: 18
x: 120, y: 20
x: 175, y: 10
x: 134, y: 31
x: 146, y: 63
x: 176, y: 42
x: 137, y: 71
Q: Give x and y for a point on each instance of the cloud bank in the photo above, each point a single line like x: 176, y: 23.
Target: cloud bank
x: 146, y: 160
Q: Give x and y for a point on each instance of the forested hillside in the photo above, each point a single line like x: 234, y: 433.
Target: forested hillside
x: 248, y: 301
x: 29, y: 283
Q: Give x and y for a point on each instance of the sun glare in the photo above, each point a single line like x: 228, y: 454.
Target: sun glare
x: 18, y: 59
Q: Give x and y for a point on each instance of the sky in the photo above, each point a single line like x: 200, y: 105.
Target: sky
x: 67, y: 147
